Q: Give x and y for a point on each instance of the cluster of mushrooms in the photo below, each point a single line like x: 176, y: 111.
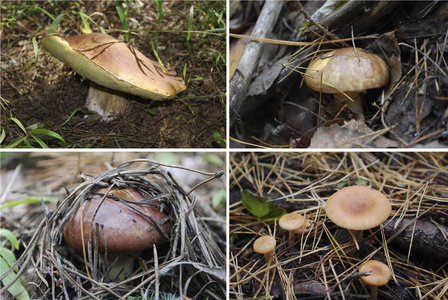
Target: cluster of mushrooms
x: 354, y: 208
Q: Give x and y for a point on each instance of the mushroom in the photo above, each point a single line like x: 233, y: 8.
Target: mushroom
x: 380, y: 275
x: 305, y: 228
x: 265, y: 245
x: 114, y: 68
x: 291, y: 222
x: 126, y: 228
x: 358, y: 208
x: 346, y: 73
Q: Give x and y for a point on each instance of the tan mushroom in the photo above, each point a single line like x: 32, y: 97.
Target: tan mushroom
x: 346, y: 73
x: 291, y: 222
x: 114, y: 68
x: 358, y: 208
x: 380, y: 275
x: 265, y: 245
x: 125, y: 230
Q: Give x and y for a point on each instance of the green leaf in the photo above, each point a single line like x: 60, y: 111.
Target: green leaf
x: 219, y: 138
x: 18, y: 123
x: 54, y: 25
x: 39, y: 141
x: 214, y: 158
x: 260, y: 207
x: 17, y: 290
x: 48, y: 133
x: 10, y: 236
x: 219, y: 198
x: 2, y: 135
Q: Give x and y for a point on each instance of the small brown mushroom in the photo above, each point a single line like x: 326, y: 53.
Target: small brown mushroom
x: 114, y: 68
x: 265, y: 245
x: 358, y: 208
x: 126, y: 227
x: 380, y: 275
x: 291, y: 222
x: 346, y: 73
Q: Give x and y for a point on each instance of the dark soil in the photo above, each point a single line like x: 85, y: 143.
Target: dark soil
x: 38, y: 89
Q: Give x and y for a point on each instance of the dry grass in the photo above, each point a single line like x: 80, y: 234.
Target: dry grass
x: 324, y: 261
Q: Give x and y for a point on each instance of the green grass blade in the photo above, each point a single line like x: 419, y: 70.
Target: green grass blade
x: 39, y: 141
x: 122, y: 20
x: 54, y: 25
x: 30, y: 200
x: 48, y: 133
x: 18, y: 123
x: 10, y: 236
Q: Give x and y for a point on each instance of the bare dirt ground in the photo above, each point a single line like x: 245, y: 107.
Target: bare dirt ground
x: 271, y: 106
x: 41, y: 92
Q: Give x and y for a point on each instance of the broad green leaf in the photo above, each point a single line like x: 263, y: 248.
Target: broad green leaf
x: 10, y: 236
x: 260, y: 207
x: 17, y: 290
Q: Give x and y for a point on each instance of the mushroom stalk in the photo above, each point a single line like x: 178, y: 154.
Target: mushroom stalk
x: 106, y: 102
x: 373, y: 292
x: 353, y: 101
x: 124, y: 266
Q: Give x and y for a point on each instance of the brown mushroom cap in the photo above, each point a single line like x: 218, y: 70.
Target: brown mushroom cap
x: 380, y: 273
x: 291, y: 221
x: 358, y: 207
x: 264, y: 244
x: 124, y: 228
x: 347, y: 70
x: 111, y: 63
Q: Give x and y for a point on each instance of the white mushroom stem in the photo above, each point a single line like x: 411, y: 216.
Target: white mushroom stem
x: 124, y: 266
x: 353, y: 101
x: 106, y: 102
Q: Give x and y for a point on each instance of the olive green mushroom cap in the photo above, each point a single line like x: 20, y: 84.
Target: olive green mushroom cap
x: 124, y: 229
x: 358, y: 207
x: 347, y: 70
x: 380, y: 273
x: 111, y: 63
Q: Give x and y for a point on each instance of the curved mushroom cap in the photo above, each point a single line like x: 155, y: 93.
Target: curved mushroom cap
x: 264, y: 244
x: 358, y: 207
x: 380, y: 273
x: 111, y: 63
x: 347, y: 70
x: 124, y: 228
x: 291, y: 221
